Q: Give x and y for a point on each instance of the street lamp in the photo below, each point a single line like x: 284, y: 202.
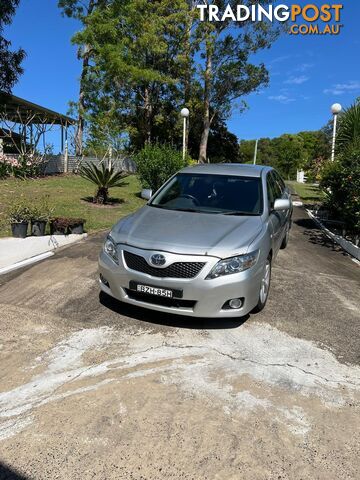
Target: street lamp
x: 335, y: 110
x: 185, y: 114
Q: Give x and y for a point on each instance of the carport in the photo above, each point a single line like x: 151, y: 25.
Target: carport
x: 24, y: 124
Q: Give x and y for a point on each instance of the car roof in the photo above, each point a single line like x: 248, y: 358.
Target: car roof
x: 241, y: 169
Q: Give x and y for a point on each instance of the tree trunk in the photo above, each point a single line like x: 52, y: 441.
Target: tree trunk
x: 188, y: 64
x: 147, y: 116
x: 82, y: 93
x: 101, y: 196
x: 81, y: 105
x: 207, y: 93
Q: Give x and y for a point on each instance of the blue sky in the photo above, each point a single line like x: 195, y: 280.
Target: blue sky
x: 307, y: 73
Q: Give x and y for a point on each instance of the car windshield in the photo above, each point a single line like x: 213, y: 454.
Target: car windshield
x: 206, y: 193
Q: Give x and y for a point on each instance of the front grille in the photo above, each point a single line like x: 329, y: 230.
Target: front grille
x: 163, y: 301
x: 175, y: 270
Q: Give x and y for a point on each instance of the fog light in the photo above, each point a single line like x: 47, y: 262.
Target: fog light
x: 235, y: 303
x: 104, y: 281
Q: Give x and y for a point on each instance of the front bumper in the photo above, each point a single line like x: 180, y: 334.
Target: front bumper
x: 201, y: 298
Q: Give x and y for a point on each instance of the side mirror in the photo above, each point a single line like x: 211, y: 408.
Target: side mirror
x: 281, y: 204
x: 146, y: 193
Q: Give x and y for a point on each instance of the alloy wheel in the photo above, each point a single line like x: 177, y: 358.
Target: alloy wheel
x: 265, y: 282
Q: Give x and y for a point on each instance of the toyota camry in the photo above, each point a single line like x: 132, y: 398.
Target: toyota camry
x: 203, y: 245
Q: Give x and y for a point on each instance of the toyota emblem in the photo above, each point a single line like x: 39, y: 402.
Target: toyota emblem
x: 157, y: 259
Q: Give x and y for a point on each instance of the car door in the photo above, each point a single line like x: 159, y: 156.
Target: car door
x: 284, y: 192
x: 274, y: 217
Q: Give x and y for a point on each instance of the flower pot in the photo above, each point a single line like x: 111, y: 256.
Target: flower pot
x: 19, y: 230
x: 38, y: 228
x: 77, y: 228
x: 57, y: 229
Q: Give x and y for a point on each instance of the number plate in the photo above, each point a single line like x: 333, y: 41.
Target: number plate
x: 160, y: 292
x: 157, y: 291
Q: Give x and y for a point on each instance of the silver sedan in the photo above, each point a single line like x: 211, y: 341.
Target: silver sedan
x: 203, y: 245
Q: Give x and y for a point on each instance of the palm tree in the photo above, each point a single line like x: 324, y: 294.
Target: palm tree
x: 349, y: 128
x: 104, y: 178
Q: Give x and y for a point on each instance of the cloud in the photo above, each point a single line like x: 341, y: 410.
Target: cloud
x: 280, y: 59
x: 304, y: 67
x: 281, y: 98
x: 341, y: 88
x: 297, y: 80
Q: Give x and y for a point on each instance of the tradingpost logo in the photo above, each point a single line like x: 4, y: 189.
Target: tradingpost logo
x: 308, y: 19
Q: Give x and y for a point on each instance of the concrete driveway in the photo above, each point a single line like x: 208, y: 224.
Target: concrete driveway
x: 95, y: 389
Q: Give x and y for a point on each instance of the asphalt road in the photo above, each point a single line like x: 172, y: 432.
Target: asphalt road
x: 91, y: 388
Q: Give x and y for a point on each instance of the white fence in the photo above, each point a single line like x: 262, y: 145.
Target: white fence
x: 54, y: 164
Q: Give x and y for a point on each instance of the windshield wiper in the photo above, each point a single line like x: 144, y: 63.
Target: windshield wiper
x: 239, y: 213
x: 185, y: 210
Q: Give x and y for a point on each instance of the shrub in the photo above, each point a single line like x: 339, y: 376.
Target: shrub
x: 41, y: 210
x: 19, y: 211
x: 104, y: 178
x: 21, y: 166
x: 156, y: 163
x: 341, y: 182
x: 4, y: 166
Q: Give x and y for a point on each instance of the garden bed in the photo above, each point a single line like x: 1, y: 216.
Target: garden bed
x: 65, y: 195
x: 336, y: 230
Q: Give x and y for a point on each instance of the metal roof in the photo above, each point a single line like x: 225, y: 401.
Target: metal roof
x: 245, y: 170
x: 16, y: 109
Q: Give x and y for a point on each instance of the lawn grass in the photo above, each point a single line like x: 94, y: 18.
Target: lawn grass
x: 66, y: 194
x: 308, y: 193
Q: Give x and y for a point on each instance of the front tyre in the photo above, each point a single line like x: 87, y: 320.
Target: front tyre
x: 265, y: 287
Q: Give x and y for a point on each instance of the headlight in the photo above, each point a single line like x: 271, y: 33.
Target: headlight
x: 234, y: 265
x: 110, y: 249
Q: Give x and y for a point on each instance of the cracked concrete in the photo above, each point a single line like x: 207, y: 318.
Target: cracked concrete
x: 95, y: 389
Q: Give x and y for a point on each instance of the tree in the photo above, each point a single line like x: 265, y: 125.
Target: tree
x: 81, y: 10
x: 288, y: 154
x: 316, y: 151
x: 226, y: 71
x: 137, y: 54
x: 348, y: 134
x: 222, y: 144
x: 10, y: 61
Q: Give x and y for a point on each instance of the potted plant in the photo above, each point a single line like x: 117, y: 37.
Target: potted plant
x: 76, y: 225
x: 59, y: 226
x: 19, y: 215
x: 41, y: 214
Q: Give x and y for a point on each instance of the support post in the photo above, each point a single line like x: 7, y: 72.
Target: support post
x: 66, y: 152
x: 62, y: 140
x: 255, y: 151
x: 184, y: 139
x: 333, y: 139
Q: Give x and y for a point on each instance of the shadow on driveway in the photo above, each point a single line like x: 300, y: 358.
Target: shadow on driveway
x: 316, y: 236
x: 160, y: 318
x: 6, y: 473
